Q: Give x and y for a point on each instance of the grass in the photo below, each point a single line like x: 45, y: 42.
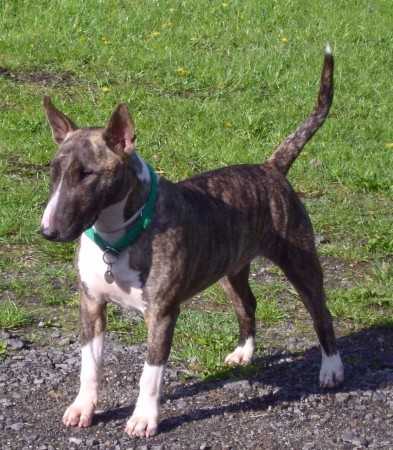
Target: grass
x: 204, y: 93
x: 12, y: 316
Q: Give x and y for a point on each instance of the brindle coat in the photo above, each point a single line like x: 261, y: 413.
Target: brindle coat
x: 204, y: 229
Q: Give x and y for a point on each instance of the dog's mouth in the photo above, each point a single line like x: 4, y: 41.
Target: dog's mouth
x: 54, y: 235
x: 65, y: 234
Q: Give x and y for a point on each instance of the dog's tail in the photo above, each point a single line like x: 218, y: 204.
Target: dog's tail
x: 290, y: 149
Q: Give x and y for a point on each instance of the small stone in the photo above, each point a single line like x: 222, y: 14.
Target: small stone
x: 321, y: 240
x: 73, y: 440
x: 243, y: 385
x: 5, y: 402
x: 17, y: 426
x: 62, y: 366
x: 72, y: 361
x: 181, y: 404
x: 264, y: 392
x: 14, y: 344
x: 354, y: 440
x: 316, y: 164
x: 308, y: 446
x: 342, y: 397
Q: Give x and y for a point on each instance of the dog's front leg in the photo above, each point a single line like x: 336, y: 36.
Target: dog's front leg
x: 92, y: 332
x: 144, y: 420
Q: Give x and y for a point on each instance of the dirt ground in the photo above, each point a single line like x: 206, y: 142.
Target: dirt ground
x: 279, y: 407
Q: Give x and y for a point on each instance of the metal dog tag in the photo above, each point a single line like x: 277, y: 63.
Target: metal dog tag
x: 110, y: 257
x: 108, y: 275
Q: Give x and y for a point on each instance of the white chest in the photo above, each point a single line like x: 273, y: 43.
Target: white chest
x: 126, y: 290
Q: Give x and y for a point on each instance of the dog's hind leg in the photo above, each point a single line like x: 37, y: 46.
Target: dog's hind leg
x: 303, y: 270
x: 92, y: 329
x: 237, y: 289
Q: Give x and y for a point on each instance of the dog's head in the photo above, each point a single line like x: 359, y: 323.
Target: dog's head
x: 88, y: 173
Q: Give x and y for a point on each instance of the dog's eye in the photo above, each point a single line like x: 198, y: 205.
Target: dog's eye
x: 85, y: 174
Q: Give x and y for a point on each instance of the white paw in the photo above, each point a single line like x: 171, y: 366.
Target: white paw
x: 332, y: 371
x: 142, y: 424
x: 80, y: 413
x: 242, y: 354
x: 144, y: 420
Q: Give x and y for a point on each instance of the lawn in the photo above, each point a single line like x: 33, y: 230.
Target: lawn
x: 209, y: 84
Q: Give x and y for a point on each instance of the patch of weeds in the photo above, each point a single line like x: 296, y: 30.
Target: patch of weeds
x: 215, y: 294
x: 216, y: 372
x: 17, y: 287
x: 131, y: 328
x: 373, y: 182
x: 52, y: 323
x: 380, y: 243
x: 382, y: 272
x: 268, y: 308
x: 269, y: 312
x: 59, y: 297
x: 3, y: 349
x: 13, y: 316
x: 203, y: 339
x: 365, y: 305
x: 58, y: 253
x: 369, y: 303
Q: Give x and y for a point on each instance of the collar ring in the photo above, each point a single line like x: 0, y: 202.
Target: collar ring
x: 110, y: 255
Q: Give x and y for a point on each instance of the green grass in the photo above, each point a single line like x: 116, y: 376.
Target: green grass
x: 209, y: 84
x: 367, y: 303
x: 12, y: 316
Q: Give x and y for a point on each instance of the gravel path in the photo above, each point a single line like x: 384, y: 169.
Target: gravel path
x: 279, y: 408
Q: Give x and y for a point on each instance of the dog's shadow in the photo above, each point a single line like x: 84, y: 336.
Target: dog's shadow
x: 290, y: 377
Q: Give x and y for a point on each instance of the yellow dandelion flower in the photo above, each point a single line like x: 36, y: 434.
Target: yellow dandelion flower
x: 390, y: 145
x: 283, y: 39
x: 166, y: 25
x: 105, y: 89
x: 225, y: 5
x: 228, y: 124
x: 181, y: 71
x: 153, y: 34
x: 171, y: 10
x: 105, y: 40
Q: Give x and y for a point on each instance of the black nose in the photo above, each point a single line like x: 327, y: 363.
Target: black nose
x: 49, y: 233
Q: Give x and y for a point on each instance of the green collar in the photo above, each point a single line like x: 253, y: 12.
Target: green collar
x: 141, y: 223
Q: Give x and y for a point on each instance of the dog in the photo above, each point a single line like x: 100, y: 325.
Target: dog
x: 149, y: 244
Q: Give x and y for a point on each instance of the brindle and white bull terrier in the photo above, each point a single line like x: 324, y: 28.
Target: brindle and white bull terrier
x: 149, y: 244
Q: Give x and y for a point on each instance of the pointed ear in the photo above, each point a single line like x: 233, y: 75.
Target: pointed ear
x: 120, y: 135
x: 61, y: 125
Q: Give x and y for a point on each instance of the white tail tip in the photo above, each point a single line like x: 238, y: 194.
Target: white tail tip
x: 328, y: 49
